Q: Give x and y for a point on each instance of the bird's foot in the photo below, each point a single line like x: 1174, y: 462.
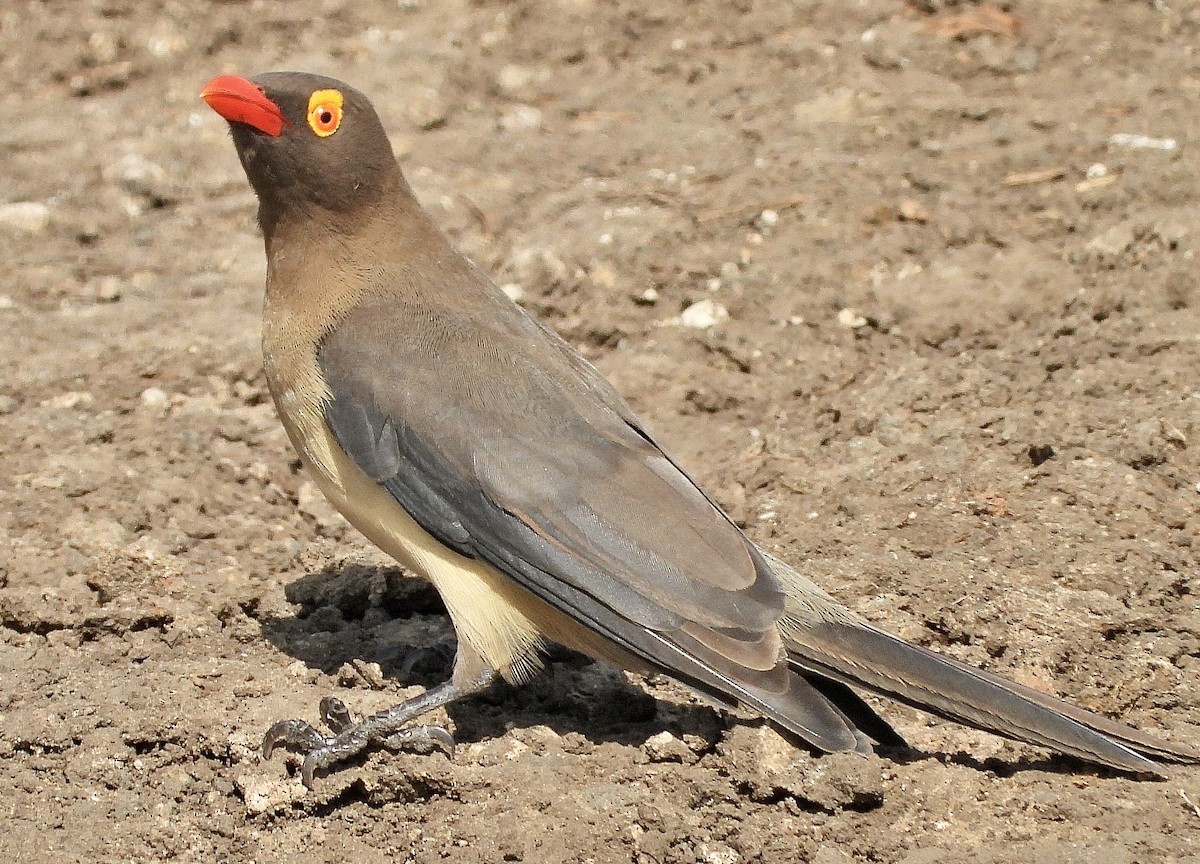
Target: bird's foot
x: 387, y: 729
x: 349, y: 739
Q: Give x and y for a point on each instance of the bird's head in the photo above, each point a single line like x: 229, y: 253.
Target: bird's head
x: 306, y: 142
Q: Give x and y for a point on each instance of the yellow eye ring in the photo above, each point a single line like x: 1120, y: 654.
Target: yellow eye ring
x: 325, y: 112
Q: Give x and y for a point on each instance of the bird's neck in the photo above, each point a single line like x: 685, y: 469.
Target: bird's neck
x: 319, y: 259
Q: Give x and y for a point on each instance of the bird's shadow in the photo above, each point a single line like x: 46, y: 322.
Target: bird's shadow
x: 348, y: 613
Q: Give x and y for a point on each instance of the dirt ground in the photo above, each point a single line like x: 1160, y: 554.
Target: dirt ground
x: 947, y: 363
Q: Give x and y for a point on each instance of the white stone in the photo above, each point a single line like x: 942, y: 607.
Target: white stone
x: 520, y: 118
x: 27, y: 217
x: 512, y: 78
x: 155, y: 398
x: 704, y: 314
x: 850, y: 318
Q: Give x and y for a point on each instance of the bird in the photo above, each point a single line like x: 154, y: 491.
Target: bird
x: 472, y: 444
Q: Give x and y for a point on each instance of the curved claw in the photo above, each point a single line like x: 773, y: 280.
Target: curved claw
x: 422, y: 737
x: 293, y: 734
x: 309, y: 767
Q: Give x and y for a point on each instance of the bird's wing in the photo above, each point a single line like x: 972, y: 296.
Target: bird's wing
x: 507, y: 447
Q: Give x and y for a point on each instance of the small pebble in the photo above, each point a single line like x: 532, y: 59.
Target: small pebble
x: 887, y: 47
x: 103, y: 47
x: 141, y: 178
x: 913, y: 211
x: 702, y: 315
x: 1025, y: 59
x: 887, y: 429
x: 347, y: 676
x: 512, y: 78
x: 716, y: 853
x: 521, y: 118
x: 264, y: 794
x: 71, y: 400
x: 1039, y: 453
x: 850, y: 318
x: 665, y: 747
x: 300, y: 669
x: 166, y: 43
x: 426, y: 109
x: 155, y: 398
x: 603, y: 276
x: 107, y: 290
x: 538, y: 267
x: 26, y: 217
x: 372, y: 673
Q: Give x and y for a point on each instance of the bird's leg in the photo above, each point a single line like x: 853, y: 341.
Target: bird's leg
x: 386, y: 728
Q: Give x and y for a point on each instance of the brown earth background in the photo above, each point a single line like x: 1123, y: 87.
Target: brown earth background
x: 948, y: 365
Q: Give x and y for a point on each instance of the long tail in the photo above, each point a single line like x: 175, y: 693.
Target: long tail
x: 825, y: 640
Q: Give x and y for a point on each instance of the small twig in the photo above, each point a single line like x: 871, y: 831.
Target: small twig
x: 595, y: 118
x: 1042, y: 175
x: 787, y: 484
x: 737, y: 209
x: 1095, y: 182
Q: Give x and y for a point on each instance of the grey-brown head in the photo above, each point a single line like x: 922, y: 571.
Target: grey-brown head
x: 307, y: 143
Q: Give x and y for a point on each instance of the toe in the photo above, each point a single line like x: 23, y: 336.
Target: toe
x: 293, y: 734
x: 335, y: 714
x: 423, y: 738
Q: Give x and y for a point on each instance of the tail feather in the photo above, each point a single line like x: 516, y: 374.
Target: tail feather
x: 886, y: 665
x: 806, y: 711
x: 830, y: 641
x: 856, y: 711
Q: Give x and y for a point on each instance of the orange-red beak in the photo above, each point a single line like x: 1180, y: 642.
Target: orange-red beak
x: 241, y: 101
